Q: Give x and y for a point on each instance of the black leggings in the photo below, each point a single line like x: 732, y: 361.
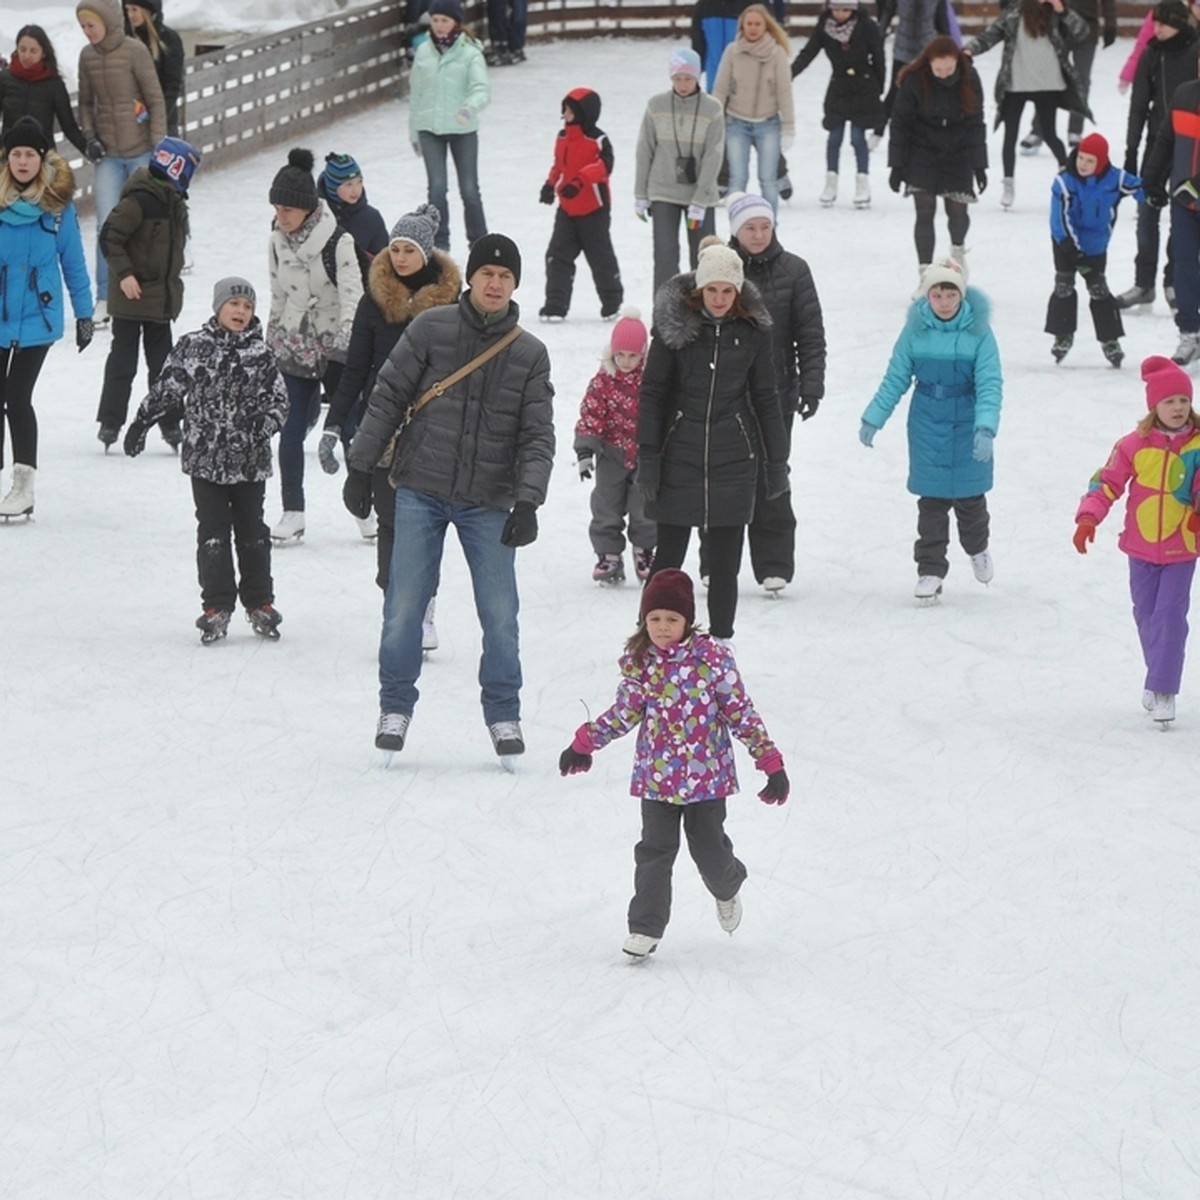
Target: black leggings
x: 19, y: 370
x: 1045, y: 107
x: 723, y: 560
x: 956, y: 218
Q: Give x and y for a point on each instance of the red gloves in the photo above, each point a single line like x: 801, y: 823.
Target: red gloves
x: 1085, y: 532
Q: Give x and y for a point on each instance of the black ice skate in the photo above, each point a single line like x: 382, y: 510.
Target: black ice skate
x: 265, y: 621
x: 213, y: 624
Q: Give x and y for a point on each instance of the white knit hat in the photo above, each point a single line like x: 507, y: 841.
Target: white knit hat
x: 745, y: 206
x: 719, y: 263
x: 942, y: 270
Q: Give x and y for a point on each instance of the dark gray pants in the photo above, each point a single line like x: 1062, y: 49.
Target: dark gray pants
x: 933, y: 531
x: 665, y: 219
x: 654, y: 857
x: 615, y: 496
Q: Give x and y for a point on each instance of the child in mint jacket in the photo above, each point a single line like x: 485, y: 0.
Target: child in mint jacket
x: 948, y: 350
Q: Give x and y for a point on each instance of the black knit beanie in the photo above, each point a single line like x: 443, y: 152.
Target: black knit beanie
x: 293, y: 186
x: 28, y: 132
x: 494, y: 248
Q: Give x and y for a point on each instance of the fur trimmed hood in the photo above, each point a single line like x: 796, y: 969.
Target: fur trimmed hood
x: 676, y: 324
x: 54, y: 191
x: 397, y: 302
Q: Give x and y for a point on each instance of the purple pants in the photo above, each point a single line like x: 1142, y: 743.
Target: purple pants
x: 1161, y: 594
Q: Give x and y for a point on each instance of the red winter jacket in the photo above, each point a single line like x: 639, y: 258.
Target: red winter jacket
x: 583, y: 158
x: 608, y: 415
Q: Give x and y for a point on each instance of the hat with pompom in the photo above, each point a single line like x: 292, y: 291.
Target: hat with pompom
x: 629, y: 334
x: 293, y: 185
x: 942, y: 272
x: 1164, y: 378
x: 418, y: 227
x: 339, y: 169
x: 671, y: 590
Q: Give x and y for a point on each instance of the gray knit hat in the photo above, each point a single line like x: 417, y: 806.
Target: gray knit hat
x: 419, y: 227
x: 229, y: 288
x: 293, y: 185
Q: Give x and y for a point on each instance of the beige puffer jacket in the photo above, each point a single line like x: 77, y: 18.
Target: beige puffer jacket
x: 754, y: 82
x: 114, y: 77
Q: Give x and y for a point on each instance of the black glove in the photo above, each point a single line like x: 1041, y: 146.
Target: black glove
x: 570, y: 190
x: 1157, y: 197
x: 521, y: 527
x: 981, y: 180
x: 571, y: 762
x: 586, y: 465
x: 85, y: 330
x: 94, y: 150
x: 1131, y: 163
x: 808, y: 407
x: 896, y: 179
x: 776, y: 480
x: 546, y: 195
x: 778, y: 788
x: 649, y: 473
x: 135, y: 437
x: 357, y: 492
x: 1110, y: 35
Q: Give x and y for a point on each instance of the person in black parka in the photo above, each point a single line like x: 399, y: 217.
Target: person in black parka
x: 938, y: 143
x: 144, y: 21
x: 32, y: 87
x: 708, y: 411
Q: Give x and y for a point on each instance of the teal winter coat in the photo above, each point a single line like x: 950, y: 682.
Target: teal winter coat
x: 956, y: 366
x: 447, y: 91
x: 40, y: 245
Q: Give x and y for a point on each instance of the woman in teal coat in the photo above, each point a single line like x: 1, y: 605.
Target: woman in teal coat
x: 947, y: 347
x: 40, y: 246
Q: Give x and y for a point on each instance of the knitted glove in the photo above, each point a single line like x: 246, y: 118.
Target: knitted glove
x: 546, y: 195
x: 356, y: 493
x: 585, y: 464
x: 465, y: 115
x: 94, y: 151
x: 521, y: 528
x: 775, y: 478
x: 1085, y: 532
x: 1157, y: 197
x: 571, y: 762
x: 778, y: 788
x: 981, y: 180
x: 982, y: 450
x: 641, y: 209
x: 649, y: 473
x: 85, y: 330
x: 570, y: 190
x: 135, y: 437
x: 866, y: 434
x: 327, y: 451
x: 808, y: 407
x: 695, y: 215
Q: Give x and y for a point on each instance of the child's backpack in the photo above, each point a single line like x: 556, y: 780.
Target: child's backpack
x: 329, y: 256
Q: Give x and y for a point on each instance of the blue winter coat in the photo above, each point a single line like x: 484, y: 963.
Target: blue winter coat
x: 39, y: 245
x: 956, y: 365
x: 1085, y: 210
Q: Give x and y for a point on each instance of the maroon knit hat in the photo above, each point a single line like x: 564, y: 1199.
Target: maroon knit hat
x: 670, y: 589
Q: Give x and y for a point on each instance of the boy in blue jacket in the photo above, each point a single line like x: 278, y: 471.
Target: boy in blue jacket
x: 1083, y: 210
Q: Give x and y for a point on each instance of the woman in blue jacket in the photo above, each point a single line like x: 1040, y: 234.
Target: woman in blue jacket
x: 40, y: 245
x: 947, y: 347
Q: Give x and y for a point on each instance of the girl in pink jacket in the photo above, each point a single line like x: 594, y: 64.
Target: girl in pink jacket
x: 1156, y: 462
x: 683, y: 689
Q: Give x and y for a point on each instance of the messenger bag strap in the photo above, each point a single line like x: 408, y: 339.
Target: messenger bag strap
x: 443, y: 385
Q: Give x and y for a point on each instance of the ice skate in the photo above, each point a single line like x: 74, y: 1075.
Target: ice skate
x: 1136, y: 299
x: 640, y: 945
x: 19, y: 501
x: 1008, y: 194
x: 289, y: 530
x: 265, y: 621
x: 829, y: 196
x: 729, y: 913
x: 1148, y: 700
x: 108, y: 434
x: 508, y: 742
x: 1188, y: 349
x: 609, y: 569
x: 100, y: 317
x: 391, y: 731
x: 1113, y: 352
x: 862, y: 191
x: 551, y: 318
x: 1031, y: 143
x: 429, y: 637
x: 959, y: 254
x: 983, y: 567
x: 1062, y: 347
x: 1163, y: 710
x: 773, y: 585
x: 643, y: 562
x: 368, y: 527
x: 928, y: 589
x: 213, y: 624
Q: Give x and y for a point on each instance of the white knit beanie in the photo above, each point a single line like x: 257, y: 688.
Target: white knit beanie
x: 942, y: 271
x: 745, y: 206
x: 719, y: 264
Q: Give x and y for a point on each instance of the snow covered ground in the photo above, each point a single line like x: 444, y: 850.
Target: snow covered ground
x: 241, y: 959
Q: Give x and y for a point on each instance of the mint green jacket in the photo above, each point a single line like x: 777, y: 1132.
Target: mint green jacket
x: 447, y: 91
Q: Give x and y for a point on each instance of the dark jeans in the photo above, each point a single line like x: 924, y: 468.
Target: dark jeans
x: 506, y: 23
x: 237, y: 508
x: 933, y: 531
x: 304, y: 395
x: 654, y: 858
x: 1146, y: 262
x: 121, y: 366
x: 1185, y: 249
x: 1062, y: 310
x: 723, y: 560
x: 19, y: 371
x: 664, y: 220
x: 1045, y: 105
x: 464, y: 149
x: 858, y: 140
x: 590, y: 236
x: 958, y: 221
x: 772, y: 533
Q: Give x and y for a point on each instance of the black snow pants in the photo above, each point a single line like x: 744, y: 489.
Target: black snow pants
x: 572, y: 236
x: 1062, y: 311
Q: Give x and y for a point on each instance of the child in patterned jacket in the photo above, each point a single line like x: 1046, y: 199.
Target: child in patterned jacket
x: 683, y: 689
x: 228, y: 386
x: 606, y: 447
x: 1157, y: 463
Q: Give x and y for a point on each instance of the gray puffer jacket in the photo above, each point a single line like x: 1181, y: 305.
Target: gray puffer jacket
x: 489, y: 439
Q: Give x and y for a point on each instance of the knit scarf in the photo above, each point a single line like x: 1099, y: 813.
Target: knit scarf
x: 442, y: 44
x: 840, y: 31
x: 34, y: 74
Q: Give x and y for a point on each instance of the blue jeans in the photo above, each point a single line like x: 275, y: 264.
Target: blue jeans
x: 858, y: 140
x: 109, y: 176
x: 421, y: 522
x: 464, y: 148
x: 303, y: 394
x: 764, y: 136
x: 1185, y: 250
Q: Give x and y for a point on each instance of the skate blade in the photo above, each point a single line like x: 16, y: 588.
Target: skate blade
x: 293, y: 540
x: 208, y: 639
x: 1164, y: 725
x: 27, y: 515
x: 929, y: 601
x: 269, y: 635
x: 508, y: 763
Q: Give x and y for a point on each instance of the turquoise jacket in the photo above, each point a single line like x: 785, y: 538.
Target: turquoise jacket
x: 446, y: 92
x: 956, y: 366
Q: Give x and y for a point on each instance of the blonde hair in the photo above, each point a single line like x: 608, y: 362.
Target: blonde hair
x: 774, y: 29
x: 35, y: 191
x: 149, y: 36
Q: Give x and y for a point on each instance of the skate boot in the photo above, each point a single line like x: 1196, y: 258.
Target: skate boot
x: 1163, y: 709
x: 928, y: 589
x: 289, y: 530
x: 959, y: 254
x: 213, y: 624
x: 368, y: 527
x: 983, y: 567
x: 265, y: 621
x: 862, y: 191
x: 643, y: 562
x: 1062, y: 346
x: 1113, y: 352
x: 609, y: 569
x: 1008, y: 194
x: 639, y: 945
x: 429, y: 637
x: 1188, y: 349
x: 1031, y: 143
x: 506, y: 738
x: 729, y: 913
x: 829, y: 196
x: 108, y: 434
x: 19, y: 501
x: 391, y: 731
x: 773, y: 585
x: 1136, y: 299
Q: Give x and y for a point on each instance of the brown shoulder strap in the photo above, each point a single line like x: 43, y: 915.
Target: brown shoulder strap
x: 443, y: 385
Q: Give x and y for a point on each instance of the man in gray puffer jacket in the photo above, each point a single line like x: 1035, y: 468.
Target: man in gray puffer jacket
x: 476, y: 456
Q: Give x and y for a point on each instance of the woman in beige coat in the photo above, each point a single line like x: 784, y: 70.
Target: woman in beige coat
x: 122, y: 113
x: 754, y: 84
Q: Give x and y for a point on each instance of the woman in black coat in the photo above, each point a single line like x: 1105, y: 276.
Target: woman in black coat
x: 32, y: 87
x: 144, y: 20
x: 708, y: 410
x: 938, y: 143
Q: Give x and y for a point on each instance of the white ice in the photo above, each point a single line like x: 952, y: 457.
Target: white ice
x: 241, y: 959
